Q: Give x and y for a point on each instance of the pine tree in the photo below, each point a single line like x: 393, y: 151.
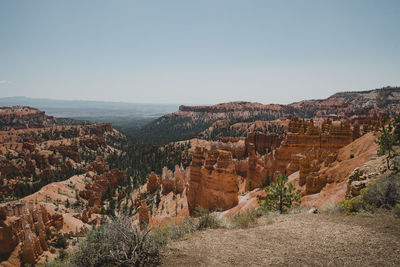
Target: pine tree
x: 386, y: 141
x: 281, y: 195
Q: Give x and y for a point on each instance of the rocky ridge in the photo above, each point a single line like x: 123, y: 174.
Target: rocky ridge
x: 190, y: 121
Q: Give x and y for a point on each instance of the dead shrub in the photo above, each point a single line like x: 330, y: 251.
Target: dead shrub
x: 118, y: 243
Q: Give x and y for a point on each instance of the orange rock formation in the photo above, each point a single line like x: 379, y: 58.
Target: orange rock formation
x: 144, y: 217
x: 153, y: 183
x: 302, y: 137
x: 263, y: 143
x: 27, y: 224
x: 94, y: 191
x: 213, y: 181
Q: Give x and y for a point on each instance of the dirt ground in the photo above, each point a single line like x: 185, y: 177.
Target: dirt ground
x: 294, y: 240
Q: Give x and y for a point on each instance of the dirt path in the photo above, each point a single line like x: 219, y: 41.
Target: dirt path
x: 297, y: 239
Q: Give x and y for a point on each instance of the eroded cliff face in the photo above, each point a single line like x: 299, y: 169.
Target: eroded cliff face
x: 307, y: 147
x: 213, y: 182
x: 263, y: 143
x: 25, y: 228
x: 329, y: 182
x: 255, y: 170
x: 303, y: 137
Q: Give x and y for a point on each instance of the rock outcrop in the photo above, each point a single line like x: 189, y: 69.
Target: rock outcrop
x: 256, y: 172
x: 101, y: 183
x: 98, y: 165
x: 27, y: 224
x: 153, y: 183
x: 371, y: 171
x: 144, y: 217
x: 263, y: 143
x: 303, y: 137
x: 213, y: 181
x: 169, y: 181
x: 21, y: 117
x: 334, y: 177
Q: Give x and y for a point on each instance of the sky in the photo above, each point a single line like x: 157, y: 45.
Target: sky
x: 197, y: 52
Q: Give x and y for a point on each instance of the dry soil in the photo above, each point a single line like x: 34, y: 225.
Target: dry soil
x: 294, y: 240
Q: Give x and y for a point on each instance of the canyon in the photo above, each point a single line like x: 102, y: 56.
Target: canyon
x: 60, y: 177
x: 228, y: 175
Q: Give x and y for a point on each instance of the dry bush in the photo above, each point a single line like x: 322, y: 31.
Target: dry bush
x: 298, y: 209
x: 118, y: 243
x: 330, y: 209
x: 247, y: 219
x: 207, y: 219
x: 175, y: 231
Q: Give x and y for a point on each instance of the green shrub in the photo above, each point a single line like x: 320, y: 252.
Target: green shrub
x: 118, y: 243
x: 62, y: 254
x: 353, y: 205
x: 61, y: 241
x: 383, y: 194
x: 206, y: 219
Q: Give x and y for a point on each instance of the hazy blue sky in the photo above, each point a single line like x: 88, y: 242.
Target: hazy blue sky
x: 197, y: 51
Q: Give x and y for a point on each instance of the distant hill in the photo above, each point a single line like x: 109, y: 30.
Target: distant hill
x: 189, y: 121
x: 124, y: 116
